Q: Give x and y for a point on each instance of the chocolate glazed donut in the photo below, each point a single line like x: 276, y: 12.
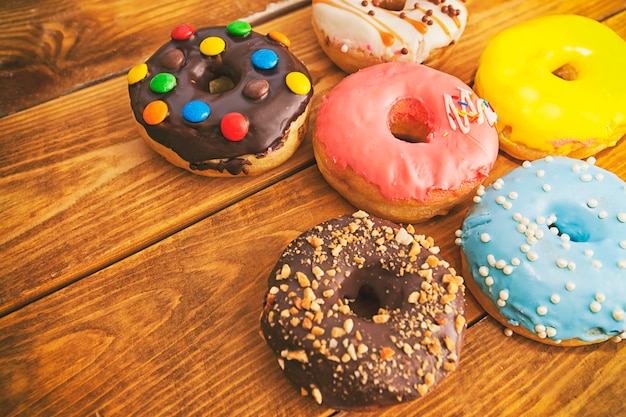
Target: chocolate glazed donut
x: 362, y: 313
x: 218, y: 99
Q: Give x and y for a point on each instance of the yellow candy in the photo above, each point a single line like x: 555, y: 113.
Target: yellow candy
x: 212, y: 46
x: 137, y: 73
x: 155, y: 112
x: 521, y: 74
x: 298, y: 83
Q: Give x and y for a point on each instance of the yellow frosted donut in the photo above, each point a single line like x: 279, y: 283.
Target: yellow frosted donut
x: 558, y: 85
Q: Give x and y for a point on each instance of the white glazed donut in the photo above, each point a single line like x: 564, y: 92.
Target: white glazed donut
x: 359, y: 33
x: 544, y: 250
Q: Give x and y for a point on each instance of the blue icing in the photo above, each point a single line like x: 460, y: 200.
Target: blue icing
x: 547, y: 244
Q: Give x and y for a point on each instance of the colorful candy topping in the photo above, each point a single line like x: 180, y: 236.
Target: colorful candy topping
x: 155, y: 112
x: 163, y: 83
x: 137, y: 73
x: 172, y: 59
x: 471, y: 109
x: 298, y: 83
x: 182, y: 32
x: 264, y: 59
x: 234, y: 126
x: 280, y: 38
x: 239, y: 28
x: 256, y: 89
x: 212, y: 46
x: 196, y: 111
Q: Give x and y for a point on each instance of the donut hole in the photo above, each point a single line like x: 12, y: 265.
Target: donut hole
x: 577, y: 222
x: 566, y: 72
x: 371, y: 289
x: 215, y: 79
x: 366, y: 303
x: 408, y: 120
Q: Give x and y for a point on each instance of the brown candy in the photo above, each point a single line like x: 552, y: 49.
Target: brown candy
x: 396, y: 5
x: 256, y: 89
x: 172, y: 59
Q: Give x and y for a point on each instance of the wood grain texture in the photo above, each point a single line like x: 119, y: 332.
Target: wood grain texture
x: 53, y: 47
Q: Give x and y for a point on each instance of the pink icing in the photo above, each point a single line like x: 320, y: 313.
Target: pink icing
x: 352, y: 122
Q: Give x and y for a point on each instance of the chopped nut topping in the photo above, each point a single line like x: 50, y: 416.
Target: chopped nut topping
x: 386, y: 353
x: 315, y: 241
x: 413, y: 297
x: 285, y: 271
x: 298, y: 355
x: 303, y: 280
x: 380, y: 318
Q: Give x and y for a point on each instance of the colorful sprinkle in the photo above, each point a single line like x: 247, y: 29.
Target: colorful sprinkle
x: 182, y: 32
x: 239, y: 28
x: 163, y: 83
x: 137, y: 73
x: 298, y: 83
x: 212, y: 46
x: 264, y: 59
x: 280, y: 38
x: 196, y: 111
x: 234, y: 126
x: 155, y: 112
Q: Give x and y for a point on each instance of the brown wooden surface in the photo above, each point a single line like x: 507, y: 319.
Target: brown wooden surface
x: 130, y: 287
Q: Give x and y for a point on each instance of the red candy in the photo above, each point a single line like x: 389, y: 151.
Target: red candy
x: 234, y: 126
x: 182, y: 32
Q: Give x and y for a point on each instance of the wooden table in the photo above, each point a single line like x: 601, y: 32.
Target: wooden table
x: 131, y: 287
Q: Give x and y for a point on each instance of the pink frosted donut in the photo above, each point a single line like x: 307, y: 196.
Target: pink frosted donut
x: 404, y: 141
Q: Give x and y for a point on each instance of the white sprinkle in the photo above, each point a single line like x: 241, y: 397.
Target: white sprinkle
x: 621, y: 264
x: 595, y: 306
x: 600, y: 297
x: 507, y: 205
x: 483, y: 271
x: 458, y: 241
x: 508, y: 332
x: 546, y: 187
x: 458, y: 233
x: 531, y: 240
x: 596, y: 264
x: 591, y: 160
x: 541, y: 173
x: 489, y: 281
x: 592, y: 203
x: 621, y: 217
x: 527, y: 164
x: 561, y: 263
x: 517, y: 216
x: 571, y: 265
x: 491, y: 260
x: 504, y: 295
x: 565, y: 237
x: 588, y: 253
x: 513, y: 195
x: 555, y: 298
x: 540, y: 328
x: 500, y: 199
x: 480, y: 191
x: 570, y: 286
x: 497, y: 184
x: 500, y: 264
x: 532, y: 256
x: 586, y: 177
x: 525, y: 221
x: 515, y: 261
x: 485, y: 237
x: 542, y: 335
x: 566, y: 245
x: 549, y: 158
x: 542, y: 310
x: 501, y: 302
x: 622, y: 244
x: 541, y: 220
x: 521, y: 228
x: 551, y: 331
x: 539, y: 234
x: 477, y: 199
x: 618, y: 314
x: 344, y: 48
x: 603, y: 214
x: 576, y: 168
x: 524, y: 248
x: 507, y: 270
x: 599, y: 176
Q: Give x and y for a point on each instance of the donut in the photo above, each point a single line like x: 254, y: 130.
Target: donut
x: 558, y: 95
x: 361, y: 313
x: 356, y: 34
x: 222, y: 101
x: 404, y: 141
x: 544, y: 251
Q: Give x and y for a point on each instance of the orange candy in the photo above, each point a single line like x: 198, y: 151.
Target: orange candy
x: 155, y: 112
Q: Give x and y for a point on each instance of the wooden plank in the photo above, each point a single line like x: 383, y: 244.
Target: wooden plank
x: 174, y: 328
x: 500, y: 377
x: 50, y: 48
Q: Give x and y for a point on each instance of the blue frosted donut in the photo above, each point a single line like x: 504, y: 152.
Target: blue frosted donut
x: 544, y: 251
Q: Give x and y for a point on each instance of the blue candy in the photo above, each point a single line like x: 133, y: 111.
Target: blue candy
x: 196, y: 111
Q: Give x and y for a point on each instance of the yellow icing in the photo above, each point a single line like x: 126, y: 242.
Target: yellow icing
x: 544, y: 111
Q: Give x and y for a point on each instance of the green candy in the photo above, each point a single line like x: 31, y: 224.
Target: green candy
x: 163, y: 82
x: 239, y: 28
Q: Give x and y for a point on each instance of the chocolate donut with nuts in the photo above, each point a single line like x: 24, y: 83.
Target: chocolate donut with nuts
x: 362, y: 313
x: 222, y: 101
